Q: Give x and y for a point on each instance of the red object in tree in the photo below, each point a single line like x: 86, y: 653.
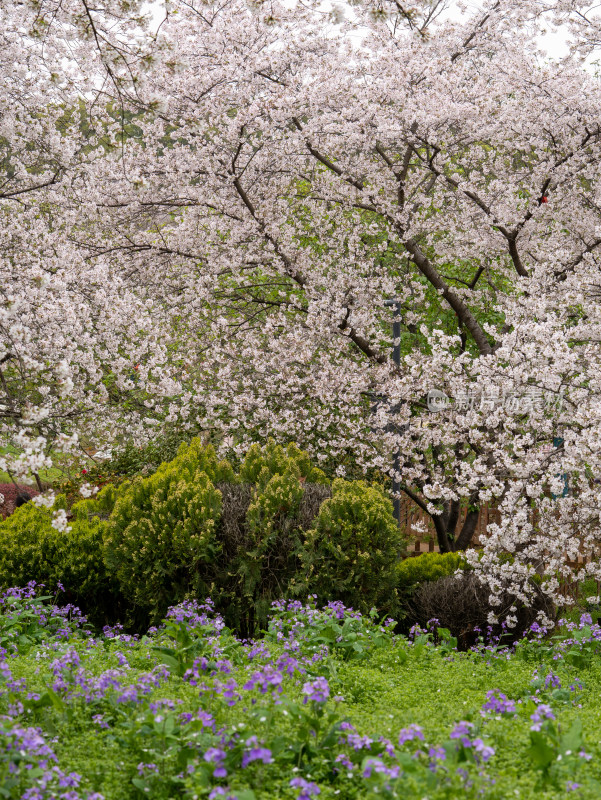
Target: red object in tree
x: 84, y: 472
x: 542, y: 200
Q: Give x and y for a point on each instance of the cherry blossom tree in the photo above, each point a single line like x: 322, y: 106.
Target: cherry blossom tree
x: 257, y: 179
x: 71, y: 331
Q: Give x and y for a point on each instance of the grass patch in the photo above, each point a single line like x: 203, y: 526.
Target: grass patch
x: 327, y: 704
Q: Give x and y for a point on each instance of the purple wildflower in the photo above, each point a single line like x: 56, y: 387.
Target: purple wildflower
x: 345, y: 761
x: 70, y: 780
x: 266, y: 679
x: 437, y: 753
x: 553, y: 681
x: 388, y: 746
x: 123, y: 662
x: 410, y: 733
x: 229, y: 691
x: 497, y: 703
x: 358, y: 742
x: 308, y: 790
x: 379, y: 767
x: 484, y: 751
x: 262, y: 754
x: 460, y: 731
x: 317, y: 690
x: 214, y: 755
x: 543, y: 712
x: 142, y: 768
x: 221, y: 791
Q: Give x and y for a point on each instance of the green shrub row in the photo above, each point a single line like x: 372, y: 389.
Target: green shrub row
x: 197, y: 527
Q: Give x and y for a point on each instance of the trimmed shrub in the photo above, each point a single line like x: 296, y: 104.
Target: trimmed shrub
x: 196, y: 528
x: 194, y: 458
x: 99, y: 506
x: 160, y: 541
x: 415, y: 571
x: 352, y: 550
x: 262, y: 463
x: 267, y: 563
x: 31, y: 549
x: 428, y: 567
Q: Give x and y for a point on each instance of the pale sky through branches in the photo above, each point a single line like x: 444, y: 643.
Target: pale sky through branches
x: 554, y: 42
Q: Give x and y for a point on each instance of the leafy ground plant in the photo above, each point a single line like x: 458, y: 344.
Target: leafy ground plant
x: 329, y: 704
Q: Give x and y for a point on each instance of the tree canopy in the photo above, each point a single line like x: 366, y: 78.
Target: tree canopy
x: 203, y: 217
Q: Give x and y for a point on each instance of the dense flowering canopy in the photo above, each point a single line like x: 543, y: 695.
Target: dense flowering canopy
x: 203, y: 216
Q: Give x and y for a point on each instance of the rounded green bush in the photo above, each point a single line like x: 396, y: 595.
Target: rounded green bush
x: 195, y: 457
x: 266, y: 561
x: 31, y: 549
x: 160, y: 541
x: 170, y: 535
x: 196, y: 528
x: 351, y: 552
x: 427, y: 567
x: 262, y: 463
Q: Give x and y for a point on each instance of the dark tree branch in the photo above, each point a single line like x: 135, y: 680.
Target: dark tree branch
x: 425, y: 266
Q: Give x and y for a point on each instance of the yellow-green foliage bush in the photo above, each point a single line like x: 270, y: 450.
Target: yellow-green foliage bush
x: 31, y: 549
x: 160, y: 542
x: 351, y: 552
x: 283, y: 491
x: 99, y: 506
x: 427, y: 567
x: 261, y: 463
x: 167, y: 538
x: 194, y: 458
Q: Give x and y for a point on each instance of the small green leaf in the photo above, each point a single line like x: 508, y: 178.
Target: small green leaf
x: 572, y: 740
x: 539, y: 751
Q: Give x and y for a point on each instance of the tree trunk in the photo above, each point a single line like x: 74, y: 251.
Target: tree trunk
x: 445, y: 524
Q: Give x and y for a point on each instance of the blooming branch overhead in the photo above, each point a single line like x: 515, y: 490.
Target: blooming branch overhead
x: 204, y: 217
